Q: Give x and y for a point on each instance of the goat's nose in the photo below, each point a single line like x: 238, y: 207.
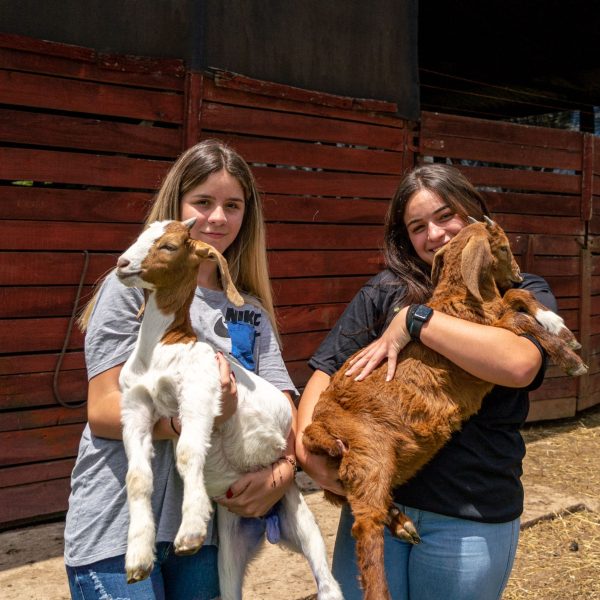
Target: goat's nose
x: 122, y: 262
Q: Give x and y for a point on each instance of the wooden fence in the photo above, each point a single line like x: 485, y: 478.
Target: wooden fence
x: 85, y: 140
x: 539, y: 183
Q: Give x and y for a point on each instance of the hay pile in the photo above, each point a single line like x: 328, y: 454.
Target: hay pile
x: 559, y: 555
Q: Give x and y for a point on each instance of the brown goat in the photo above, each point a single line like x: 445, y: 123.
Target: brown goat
x: 380, y: 433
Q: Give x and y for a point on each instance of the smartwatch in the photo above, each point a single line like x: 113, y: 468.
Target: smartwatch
x: 416, y: 317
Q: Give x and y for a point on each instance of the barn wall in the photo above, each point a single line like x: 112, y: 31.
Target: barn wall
x: 85, y: 140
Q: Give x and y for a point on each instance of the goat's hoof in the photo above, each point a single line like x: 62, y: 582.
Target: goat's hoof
x: 581, y: 369
x: 189, y: 544
x: 137, y: 574
x: 402, y: 527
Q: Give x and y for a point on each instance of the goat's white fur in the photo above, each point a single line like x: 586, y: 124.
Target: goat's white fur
x: 183, y: 380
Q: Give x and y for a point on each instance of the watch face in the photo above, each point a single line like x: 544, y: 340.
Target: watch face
x: 422, y: 313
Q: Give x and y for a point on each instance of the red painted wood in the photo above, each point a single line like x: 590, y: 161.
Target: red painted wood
x: 301, y: 346
x: 37, y: 335
x: 85, y: 169
x: 46, y: 443
x: 38, y: 363
x: 26, y: 127
x: 55, y: 204
x: 23, y: 504
x: 42, y: 91
x: 52, y: 268
x: 313, y: 154
x: 309, y: 318
x: 310, y: 291
x: 235, y: 119
x: 35, y: 389
x: 27, y: 301
x: 323, y: 237
x: 535, y: 204
x: 43, y: 417
x: 37, y: 472
x: 541, y: 224
x: 239, y: 98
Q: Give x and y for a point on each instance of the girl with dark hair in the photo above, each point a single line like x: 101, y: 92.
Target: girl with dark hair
x: 467, y: 501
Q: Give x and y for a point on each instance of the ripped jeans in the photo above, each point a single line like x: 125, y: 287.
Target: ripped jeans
x: 173, y: 578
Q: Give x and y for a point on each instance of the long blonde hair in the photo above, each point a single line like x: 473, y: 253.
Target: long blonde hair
x: 247, y: 255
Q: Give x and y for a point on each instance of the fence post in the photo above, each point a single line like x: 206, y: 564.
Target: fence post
x: 192, y: 102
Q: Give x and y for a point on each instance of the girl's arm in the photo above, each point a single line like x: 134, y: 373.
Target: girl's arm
x: 315, y: 465
x: 254, y: 494
x: 490, y: 353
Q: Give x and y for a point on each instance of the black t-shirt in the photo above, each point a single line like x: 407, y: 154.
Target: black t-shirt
x: 477, y: 474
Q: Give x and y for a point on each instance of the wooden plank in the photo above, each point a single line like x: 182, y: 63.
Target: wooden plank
x: 35, y: 389
x: 36, y: 363
x: 52, y: 268
x: 301, y: 346
x: 308, y: 318
x: 39, y: 129
x: 56, y: 301
x: 24, y: 53
x: 299, y: 372
x: 36, y: 335
x: 242, y: 120
x: 56, y: 204
x: 236, y: 81
x: 323, y: 237
x: 278, y: 207
x: 319, y: 183
x: 541, y: 224
x: 34, y: 445
x: 316, y: 290
x: 537, y: 204
x: 43, y: 417
x: 57, y: 93
x: 555, y: 265
x: 239, y: 98
x: 328, y: 262
x: 315, y: 154
x: 18, y: 164
x: 559, y: 387
x: 34, y: 473
x: 57, y: 235
x: 551, y: 408
x: 22, y: 504
x: 485, y: 129
x: 522, y: 179
x: 499, y: 151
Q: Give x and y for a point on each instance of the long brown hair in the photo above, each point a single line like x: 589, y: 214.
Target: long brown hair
x: 247, y: 255
x: 452, y: 187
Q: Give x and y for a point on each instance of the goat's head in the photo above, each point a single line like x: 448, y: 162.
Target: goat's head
x: 165, y: 255
x: 484, y: 254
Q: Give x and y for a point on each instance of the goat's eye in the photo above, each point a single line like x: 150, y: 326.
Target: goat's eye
x: 168, y: 247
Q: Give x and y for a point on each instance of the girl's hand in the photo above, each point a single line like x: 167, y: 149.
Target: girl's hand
x: 319, y: 469
x: 254, y: 494
x: 389, y: 345
x: 229, y: 397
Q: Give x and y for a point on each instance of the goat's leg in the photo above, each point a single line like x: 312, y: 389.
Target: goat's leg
x: 192, y: 447
x: 138, y: 418
x: 238, y: 542
x: 300, y: 531
x: 524, y: 301
x: 558, y: 343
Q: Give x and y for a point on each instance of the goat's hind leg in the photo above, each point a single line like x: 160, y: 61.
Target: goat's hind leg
x: 138, y: 418
x: 300, y: 532
x: 547, y: 327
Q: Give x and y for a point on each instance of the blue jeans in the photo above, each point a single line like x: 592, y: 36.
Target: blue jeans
x: 173, y: 578
x: 456, y: 559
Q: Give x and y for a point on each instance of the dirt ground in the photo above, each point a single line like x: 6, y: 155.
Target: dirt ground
x: 558, y: 557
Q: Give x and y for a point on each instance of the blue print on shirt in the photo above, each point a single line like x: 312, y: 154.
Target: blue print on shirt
x: 243, y: 336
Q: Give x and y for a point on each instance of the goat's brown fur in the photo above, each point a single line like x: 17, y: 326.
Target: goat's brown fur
x: 380, y: 433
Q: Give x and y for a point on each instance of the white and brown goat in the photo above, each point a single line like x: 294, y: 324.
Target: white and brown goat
x: 172, y: 373
x: 380, y: 433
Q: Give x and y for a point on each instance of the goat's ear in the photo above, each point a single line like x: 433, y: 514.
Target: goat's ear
x: 207, y: 251
x: 476, y: 256
x: 438, y: 264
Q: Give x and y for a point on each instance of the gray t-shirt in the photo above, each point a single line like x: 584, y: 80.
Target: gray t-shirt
x: 98, y: 517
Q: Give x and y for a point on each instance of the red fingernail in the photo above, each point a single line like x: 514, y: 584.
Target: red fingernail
x: 229, y: 493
